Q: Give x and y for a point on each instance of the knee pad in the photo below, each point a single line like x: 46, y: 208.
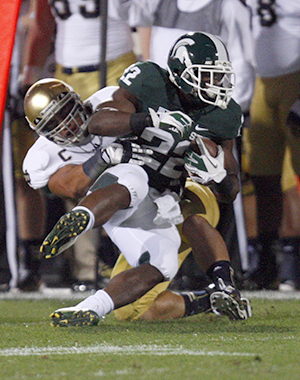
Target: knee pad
x: 133, y: 177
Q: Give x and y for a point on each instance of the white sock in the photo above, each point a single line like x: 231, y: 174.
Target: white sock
x: 91, y: 222
x: 100, y: 302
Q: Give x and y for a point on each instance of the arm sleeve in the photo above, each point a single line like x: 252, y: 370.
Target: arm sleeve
x: 35, y: 169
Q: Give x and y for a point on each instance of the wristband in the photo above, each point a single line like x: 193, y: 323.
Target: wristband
x: 95, y: 165
x: 140, y: 121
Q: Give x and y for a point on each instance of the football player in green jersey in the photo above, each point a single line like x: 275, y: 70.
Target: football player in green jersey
x: 164, y: 111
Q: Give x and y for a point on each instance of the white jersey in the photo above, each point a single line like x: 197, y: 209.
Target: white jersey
x: 228, y: 19
x: 78, y: 33
x: 276, y: 31
x: 45, y: 157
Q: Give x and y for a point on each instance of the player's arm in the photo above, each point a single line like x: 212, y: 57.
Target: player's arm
x: 227, y: 190
x: 38, y: 43
x: 118, y: 116
x: 70, y: 182
x: 73, y: 181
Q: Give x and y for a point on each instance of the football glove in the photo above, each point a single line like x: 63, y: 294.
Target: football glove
x: 125, y: 152
x: 204, y: 168
x: 116, y: 153
x: 176, y: 119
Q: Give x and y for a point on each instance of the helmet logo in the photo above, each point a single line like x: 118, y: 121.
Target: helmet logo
x: 180, y: 51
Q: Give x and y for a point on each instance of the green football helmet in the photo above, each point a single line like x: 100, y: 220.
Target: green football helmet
x: 199, y: 65
x: 55, y: 111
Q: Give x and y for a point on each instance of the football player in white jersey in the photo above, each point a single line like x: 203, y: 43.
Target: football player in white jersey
x: 276, y: 32
x: 75, y: 28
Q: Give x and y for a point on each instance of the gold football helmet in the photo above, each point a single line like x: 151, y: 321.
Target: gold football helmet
x: 54, y: 110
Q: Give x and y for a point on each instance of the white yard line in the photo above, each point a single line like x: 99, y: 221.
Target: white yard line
x: 104, y: 349
x: 272, y: 295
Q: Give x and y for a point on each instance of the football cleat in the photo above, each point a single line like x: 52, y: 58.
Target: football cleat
x: 72, y: 316
x: 226, y: 300
x: 64, y: 233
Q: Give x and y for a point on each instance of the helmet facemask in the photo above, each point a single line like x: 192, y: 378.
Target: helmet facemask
x: 64, y: 122
x: 199, y: 65
x: 56, y: 112
x: 213, y: 84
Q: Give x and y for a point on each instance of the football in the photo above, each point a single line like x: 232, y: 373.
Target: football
x: 210, y: 146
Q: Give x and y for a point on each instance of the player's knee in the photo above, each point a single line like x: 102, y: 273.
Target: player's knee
x: 136, y: 181
x: 194, y: 223
x: 168, y: 270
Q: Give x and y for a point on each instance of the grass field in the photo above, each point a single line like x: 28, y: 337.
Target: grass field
x: 203, y: 347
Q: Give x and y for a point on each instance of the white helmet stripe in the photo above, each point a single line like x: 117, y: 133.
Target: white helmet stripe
x: 223, y: 54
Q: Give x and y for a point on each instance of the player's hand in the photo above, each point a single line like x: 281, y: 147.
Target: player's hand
x: 176, y: 119
x: 126, y: 151
x: 204, y: 168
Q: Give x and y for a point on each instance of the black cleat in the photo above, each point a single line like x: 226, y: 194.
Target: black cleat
x: 72, y: 316
x: 64, y: 233
x: 226, y: 300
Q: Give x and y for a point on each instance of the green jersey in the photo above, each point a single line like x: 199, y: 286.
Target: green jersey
x: 150, y: 84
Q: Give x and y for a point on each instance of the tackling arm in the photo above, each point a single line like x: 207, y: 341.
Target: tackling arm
x: 70, y: 182
x: 73, y: 181
x: 118, y: 117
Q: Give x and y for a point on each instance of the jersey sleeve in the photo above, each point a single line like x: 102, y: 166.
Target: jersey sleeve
x: 35, y: 168
x: 140, y: 78
x: 233, y: 123
x: 102, y: 95
x: 218, y: 124
x: 45, y: 158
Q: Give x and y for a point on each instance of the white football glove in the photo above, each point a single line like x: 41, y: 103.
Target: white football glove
x: 205, y: 168
x: 177, y: 119
x: 126, y: 152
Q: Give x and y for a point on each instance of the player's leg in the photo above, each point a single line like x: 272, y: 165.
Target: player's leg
x: 267, y: 137
x: 116, y: 189
x: 267, y: 147
x: 290, y: 229
x: 161, y: 303
x: 157, y: 303
x: 153, y: 257
x: 211, y: 254
x: 31, y: 208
